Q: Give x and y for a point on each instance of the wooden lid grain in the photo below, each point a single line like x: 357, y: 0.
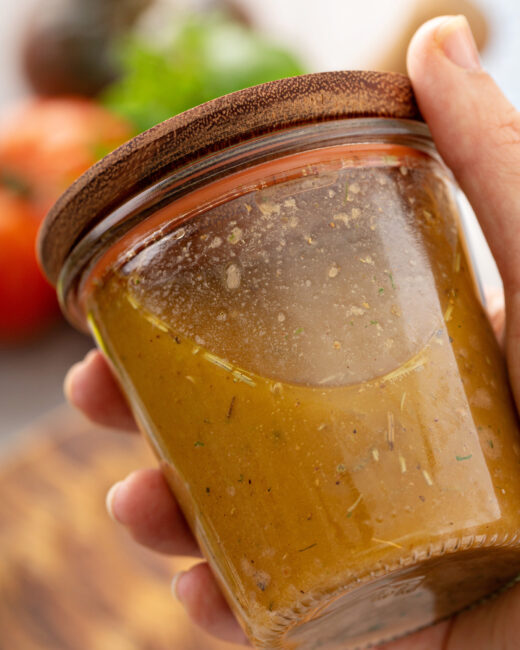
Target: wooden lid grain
x: 222, y: 122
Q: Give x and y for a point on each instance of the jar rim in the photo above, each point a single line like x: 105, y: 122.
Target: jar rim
x: 208, y: 128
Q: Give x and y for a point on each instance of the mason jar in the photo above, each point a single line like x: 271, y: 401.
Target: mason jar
x: 281, y: 282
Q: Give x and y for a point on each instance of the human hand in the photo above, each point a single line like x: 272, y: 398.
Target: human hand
x: 477, y: 132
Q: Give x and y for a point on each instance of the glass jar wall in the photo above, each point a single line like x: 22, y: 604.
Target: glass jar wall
x: 301, y: 338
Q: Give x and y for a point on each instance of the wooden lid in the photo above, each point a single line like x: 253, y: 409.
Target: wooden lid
x: 212, y: 126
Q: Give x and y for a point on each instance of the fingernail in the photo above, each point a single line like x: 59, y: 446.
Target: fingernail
x: 175, y: 582
x: 110, y: 500
x: 456, y: 40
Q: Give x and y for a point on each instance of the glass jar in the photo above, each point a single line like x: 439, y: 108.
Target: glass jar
x: 296, y: 323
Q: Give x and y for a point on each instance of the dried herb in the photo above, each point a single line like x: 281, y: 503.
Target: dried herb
x: 464, y: 457
x: 390, y: 430
x: 199, y: 444
x: 230, y: 408
x: 301, y: 550
x: 351, y: 508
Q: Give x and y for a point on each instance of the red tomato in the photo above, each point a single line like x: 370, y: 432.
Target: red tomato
x: 45, y: 144
x: 27, y: 300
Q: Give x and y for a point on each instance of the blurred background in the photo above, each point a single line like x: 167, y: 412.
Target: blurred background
x: 78, y: 78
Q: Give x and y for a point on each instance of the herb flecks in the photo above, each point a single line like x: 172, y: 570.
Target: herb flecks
x: 307, y: 548
x: 230, y: 407
x: 199, y: 443
x: 390, y: 433
x: 456, y: 266
x: 448, y: 313
x: 351, y: 508
x: 427, y: 477
x: 459, y: 458
x: 391, y: 277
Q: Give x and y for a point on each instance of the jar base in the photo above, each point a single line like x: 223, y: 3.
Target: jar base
x: 404, y: 601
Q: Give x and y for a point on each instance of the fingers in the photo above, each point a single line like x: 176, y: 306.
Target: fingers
x: 144, y: 504
x: 198, y: 591
x: 496, y: 312
x: 493, y: 625
x: 90, y: 386
x: 431, y: 638
x: 477, y: 132
x: 475, y: 129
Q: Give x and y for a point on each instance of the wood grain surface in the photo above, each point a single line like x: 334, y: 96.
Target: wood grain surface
x: 70, y: 578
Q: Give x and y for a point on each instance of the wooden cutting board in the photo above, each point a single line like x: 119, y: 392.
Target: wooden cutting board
x: 70, y: 578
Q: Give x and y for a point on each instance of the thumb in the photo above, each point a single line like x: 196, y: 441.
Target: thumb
x: 477, y: 132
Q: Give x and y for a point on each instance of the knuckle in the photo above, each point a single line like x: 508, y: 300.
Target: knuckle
x: 501, y: 152
x: 507, y: 130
